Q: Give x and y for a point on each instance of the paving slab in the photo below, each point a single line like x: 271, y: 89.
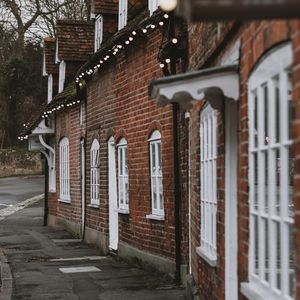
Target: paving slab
x: 36, y: 254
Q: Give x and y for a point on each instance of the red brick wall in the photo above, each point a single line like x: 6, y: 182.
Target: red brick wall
x: 67, y: 125
x: 118, y: 105
x: 257, y: 38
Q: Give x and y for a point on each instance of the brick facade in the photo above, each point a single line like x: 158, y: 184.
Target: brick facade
x: 257, y: 39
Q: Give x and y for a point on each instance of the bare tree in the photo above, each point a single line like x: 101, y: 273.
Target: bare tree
x: 36, y: 18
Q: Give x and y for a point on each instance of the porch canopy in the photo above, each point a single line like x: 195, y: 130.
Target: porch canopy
x: 213, y: 84
x: 199, y: 10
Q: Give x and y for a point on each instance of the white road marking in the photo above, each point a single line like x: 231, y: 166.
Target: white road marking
x: 78, y: 258
x: 5, y: 212
x: 9, y: 205
x: 66, y: 240
x: 79, y: 270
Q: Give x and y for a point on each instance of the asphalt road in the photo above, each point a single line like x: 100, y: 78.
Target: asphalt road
x: 17, y: 189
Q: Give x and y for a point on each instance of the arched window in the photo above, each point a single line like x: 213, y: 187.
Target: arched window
x: 64, y: 170
x: 95, y: 173
x: 208, y: 184
x: 156, y: 174
x: 123, y: 175
x: 271, y: 208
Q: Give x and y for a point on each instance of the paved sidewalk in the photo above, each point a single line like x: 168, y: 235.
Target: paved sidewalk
x: 36, y: 254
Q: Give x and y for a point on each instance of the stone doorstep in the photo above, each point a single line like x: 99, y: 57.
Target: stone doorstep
x: 6, y: 278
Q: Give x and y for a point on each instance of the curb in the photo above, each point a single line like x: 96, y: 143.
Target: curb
x: 6, y: 278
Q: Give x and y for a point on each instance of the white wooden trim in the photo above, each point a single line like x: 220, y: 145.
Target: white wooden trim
x: 64, y: 170
x: 123, y: 175
x: 50, y: 88
x: 98, y: 32
x: 231, y: 221
x: 62, y: 76
x: 123, y: 12
x: 208, y: 182
x: 95, y: 174
x: 269, y: 188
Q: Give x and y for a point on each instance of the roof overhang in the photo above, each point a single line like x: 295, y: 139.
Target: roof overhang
x: 213, y: 84
x: 199, y: 10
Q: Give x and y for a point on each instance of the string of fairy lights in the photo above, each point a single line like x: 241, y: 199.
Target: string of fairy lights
x: 106, y: 57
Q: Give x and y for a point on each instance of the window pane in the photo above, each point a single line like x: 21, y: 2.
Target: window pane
x: 153, y: 159
x: 265, y: 91
x: 154, y: 193
x: 267, y: 259
x: 255, y: 104
x: 266, y: 182
x: 292, y: 262
x: 159, y: 158
x: 161, y: 194
x: 256, y: 268
x: 278, y: 252
x: 126, y: 191
x: 277, y: 168
x: 291, y: 183
x: 125, y: 161
x: 121, y: 161
x: 255, y: 192
x: 277, y: 109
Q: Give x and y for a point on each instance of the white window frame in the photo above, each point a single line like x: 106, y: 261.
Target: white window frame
x: 153, y: 6
x: 95, y: 173
x: 208, y: 184
x: 62, y: 76
x: 123, y: 13
x: 64, y: 170
x: 98, y: 32
x: 155, y: 151
x: 123, y: 175
x: 50, y: 88
x: 82, y: 113
x: 271, y: 221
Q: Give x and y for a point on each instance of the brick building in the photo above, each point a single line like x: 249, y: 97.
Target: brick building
x: 206, y: 181
x: 243, y: 157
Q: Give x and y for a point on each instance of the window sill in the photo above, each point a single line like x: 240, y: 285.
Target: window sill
x: 204, y: 255
x: 155, y: 217
x: 123, y: 211
x: 94, y: 205
x: 255, y: 292
x: 64, y: 201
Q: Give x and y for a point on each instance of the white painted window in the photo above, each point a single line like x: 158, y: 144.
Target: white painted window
x: 50, y: 88
x: 123, y: 175
x: 153, y: 6
x: 123, y: 11
x: 95, y: 173
x: 271, y: 246
x: 62, y: 76
x: 82, y: 113
x: 156, y: 174
x: 98, y: 32
x: 208, y: 183
x: 64, y: 170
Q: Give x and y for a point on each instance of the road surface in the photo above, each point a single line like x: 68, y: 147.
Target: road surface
x: 16, y: 189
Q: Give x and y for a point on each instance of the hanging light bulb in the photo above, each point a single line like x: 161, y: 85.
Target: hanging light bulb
x: 161, y: 23
x: 144, y: 30
x: 162, y: 65
x: 168, y: 5
x: 168, y: 60
x: 174, y: 41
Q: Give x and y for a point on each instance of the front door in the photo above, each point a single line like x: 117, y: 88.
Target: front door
x: 113, y: 199
x: 231, y: 237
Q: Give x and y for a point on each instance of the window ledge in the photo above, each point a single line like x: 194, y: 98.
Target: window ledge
x: 94, y: 205
x: 203, y: 254
x: 155, y: 217
x: 255, y: 292
x: 64, y: 201
x: 123, y: 211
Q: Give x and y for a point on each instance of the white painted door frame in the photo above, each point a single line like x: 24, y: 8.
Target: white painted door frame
x: 231, y: 236
x: 82, y: 172
x: 113, y: 198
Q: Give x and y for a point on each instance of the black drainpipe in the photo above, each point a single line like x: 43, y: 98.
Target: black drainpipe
x: 177, y: 192
x: 46, y: 192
